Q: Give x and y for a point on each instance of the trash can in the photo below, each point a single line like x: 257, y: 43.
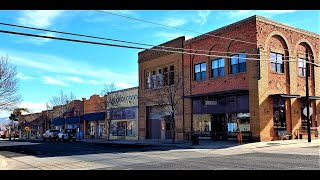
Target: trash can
x: 195, y: 139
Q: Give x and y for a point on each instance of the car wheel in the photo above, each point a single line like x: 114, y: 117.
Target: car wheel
x: 44, y: 139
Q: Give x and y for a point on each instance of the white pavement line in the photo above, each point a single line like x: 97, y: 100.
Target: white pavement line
x: 3, y: 163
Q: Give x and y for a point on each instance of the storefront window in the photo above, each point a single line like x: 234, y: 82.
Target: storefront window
x: 244, y: 121
x: 88, y: 129
x: 131, y: 128
x: 118, y: 128
x: 202, y: 124
x: 102, y: 128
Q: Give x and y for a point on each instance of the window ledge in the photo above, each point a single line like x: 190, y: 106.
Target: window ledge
x: 274, y: 72
x: 304, y: 77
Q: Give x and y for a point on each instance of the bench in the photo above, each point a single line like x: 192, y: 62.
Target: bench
x: 284, y: 135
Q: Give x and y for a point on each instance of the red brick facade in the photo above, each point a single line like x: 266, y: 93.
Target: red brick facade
x: 264, y: 36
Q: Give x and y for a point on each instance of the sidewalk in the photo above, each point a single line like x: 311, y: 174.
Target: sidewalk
x: 203, y: 144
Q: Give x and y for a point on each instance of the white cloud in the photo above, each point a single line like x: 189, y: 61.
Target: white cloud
x: 203, y: 15
x: 166, y: 36
x: 123, y: 85
x: 175, y: 22
x: 67, y: 68
x: 33, y: 107
x: 4, y: 114
x: 279, y: 11
x: 94, y: 82
x: 50, y: 80
x: 240, y: 14
x: 39, y: 18
x: 36, y: 40
x: 23, y: 76
x: 74, y: 79
x: 100, y: 17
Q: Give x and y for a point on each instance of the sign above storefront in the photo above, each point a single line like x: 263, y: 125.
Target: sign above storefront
x: 210, y: 103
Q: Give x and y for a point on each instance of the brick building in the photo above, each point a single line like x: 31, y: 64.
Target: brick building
x: 267, y: 97
x: 94, y: 123
x: 158, y: 69
x: 124, y: 114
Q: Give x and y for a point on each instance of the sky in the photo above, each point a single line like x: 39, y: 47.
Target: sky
x: 45, y: 66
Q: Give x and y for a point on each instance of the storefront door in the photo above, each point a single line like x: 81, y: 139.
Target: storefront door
x: 219, y: 127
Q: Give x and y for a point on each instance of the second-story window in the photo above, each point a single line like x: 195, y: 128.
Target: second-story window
x: 302, y: 67
x: 276, y: 62
x: 160, y: 77
x: 217, y: 67
x: 200, y: 71
x: 171, y: 75
x: 154, y: 79
x: 148, y: 80
x: 165, y: 76
x: 238, y: 63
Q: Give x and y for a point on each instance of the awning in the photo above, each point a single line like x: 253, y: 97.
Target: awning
x: 58, y: 121
x: 311, y: 97
x: 94, y: 116
x: 285, y: 95
x: 73, y: 120
x: 219, y: 93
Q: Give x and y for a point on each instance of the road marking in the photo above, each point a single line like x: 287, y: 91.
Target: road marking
x: 3, y: 163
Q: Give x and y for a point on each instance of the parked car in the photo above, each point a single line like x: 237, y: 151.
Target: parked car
x: 51, y: 134
x: 67, y: 135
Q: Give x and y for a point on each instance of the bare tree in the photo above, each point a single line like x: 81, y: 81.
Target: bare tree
x: 9, y: 90
x: 169, y: 95
x: 110, y: 104
x: 63, y: 101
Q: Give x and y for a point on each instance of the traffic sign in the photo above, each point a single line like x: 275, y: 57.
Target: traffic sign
x: 26, y: 128
x: 305, y: 111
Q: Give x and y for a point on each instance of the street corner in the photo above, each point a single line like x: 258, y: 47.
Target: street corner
x: 3, y: 163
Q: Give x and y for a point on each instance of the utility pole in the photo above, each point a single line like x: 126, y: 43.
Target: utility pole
x: 307, y: 95
x: 47, y: 106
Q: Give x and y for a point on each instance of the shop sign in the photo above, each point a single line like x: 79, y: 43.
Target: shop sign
x: 27, y: 128
x: 210, y: 103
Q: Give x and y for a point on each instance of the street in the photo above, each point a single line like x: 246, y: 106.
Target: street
x: 69, y: 155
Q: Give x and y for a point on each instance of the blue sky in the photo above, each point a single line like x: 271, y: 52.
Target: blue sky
x: 48, y: 66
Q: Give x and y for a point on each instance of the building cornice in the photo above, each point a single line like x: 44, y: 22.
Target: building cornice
x: 281, y: 25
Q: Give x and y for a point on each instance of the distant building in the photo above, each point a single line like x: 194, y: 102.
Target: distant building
x: 124, y: 118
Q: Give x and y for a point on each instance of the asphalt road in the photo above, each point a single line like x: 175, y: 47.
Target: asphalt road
x: 69, y: 155
x: 44, y: 149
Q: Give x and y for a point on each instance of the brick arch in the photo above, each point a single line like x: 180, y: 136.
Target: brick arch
x: 242, y: 38
x: 218, y: 54
x: 307, y: 42
x: 277, y: 33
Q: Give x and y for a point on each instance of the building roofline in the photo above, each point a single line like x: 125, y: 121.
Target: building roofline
x: 123, y: 90
x: 163, y: 44
x: 202, y: 36
x: 257, y: 18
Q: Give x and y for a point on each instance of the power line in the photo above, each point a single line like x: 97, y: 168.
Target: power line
x: 222, y: 37
x: 116, y: 40
x: 134, y: 47
x: 128, y: 17
x: 109, y: 39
